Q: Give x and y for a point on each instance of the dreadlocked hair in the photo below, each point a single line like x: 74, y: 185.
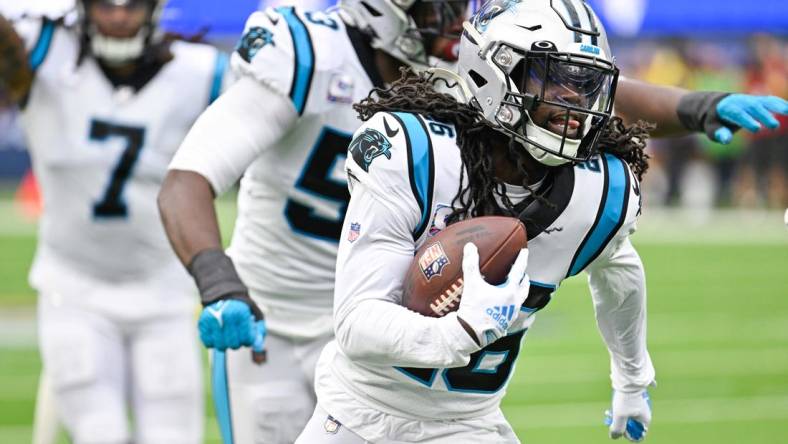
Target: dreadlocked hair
x: 416, y: 93
x: 484, y: 194
x: 628, y: 142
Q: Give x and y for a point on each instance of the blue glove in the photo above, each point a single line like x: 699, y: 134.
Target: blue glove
x: 629, y: 415
x: 229, y: 323
x: 749, y: 112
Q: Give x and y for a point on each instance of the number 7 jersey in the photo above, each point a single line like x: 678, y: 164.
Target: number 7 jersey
x: 100, y: 153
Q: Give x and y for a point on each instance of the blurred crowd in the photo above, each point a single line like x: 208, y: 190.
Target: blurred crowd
x: 750, y: 172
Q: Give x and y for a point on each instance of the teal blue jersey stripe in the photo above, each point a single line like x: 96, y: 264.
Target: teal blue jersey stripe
x: 39, y: 52
x: 304, y: 58
x: 221, y: 395
x: 611, y: 217
x: 421, y: 168
x: 219, y: 69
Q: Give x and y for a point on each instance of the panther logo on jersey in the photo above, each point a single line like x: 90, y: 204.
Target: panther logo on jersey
x: 369, y: 145
x: 254, y: 40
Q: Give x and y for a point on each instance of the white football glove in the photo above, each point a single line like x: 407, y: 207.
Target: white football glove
x: 629, y: 415
x: 490, y: 309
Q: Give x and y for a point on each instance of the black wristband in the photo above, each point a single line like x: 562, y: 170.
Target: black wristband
x: 697, y: 111
x: 215, y: 275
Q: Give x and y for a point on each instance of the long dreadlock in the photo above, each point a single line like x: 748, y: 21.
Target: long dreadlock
x: 415, y: 93
x: 628, y: 142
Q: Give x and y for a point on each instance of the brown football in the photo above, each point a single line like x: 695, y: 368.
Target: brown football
x: 433, y: 285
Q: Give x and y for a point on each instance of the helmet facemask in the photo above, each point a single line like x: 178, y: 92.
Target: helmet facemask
x: 557, y: 103
x: 417, y: 32
x: 541, y: 71
x: 439, y: 19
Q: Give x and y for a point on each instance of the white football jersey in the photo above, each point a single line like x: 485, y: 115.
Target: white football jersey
x: 404, y: 171
x: 100, y: 153
x: 293, y: 193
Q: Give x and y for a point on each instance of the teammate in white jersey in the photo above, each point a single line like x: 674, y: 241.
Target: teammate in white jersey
x: 534, y: 140
x: 285, y: 126
x: 105, y: 113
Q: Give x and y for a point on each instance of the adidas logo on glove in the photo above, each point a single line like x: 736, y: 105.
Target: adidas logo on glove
x: 502, y: 315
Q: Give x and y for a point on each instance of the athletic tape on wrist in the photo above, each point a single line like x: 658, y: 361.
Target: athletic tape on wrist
x: 216, y: 278
x: 696, y: 109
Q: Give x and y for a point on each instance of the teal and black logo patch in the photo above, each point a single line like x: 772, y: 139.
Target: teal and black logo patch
x: 369, y: 145
x: 254, y: 40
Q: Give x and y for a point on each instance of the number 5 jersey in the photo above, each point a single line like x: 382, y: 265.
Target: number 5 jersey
x: 287, y: 135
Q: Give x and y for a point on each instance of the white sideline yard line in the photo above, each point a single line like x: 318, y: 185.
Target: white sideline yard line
x: 720, y: 226
x: 12, y: 223
x: 678, y: 411
x: 588, y: 366
x: 665, y: 327
x: 656, y: 225
x: 23, y: 433
x: 18, y: 328
x: 16, y: 433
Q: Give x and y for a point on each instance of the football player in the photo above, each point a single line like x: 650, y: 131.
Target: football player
x: 531, y: 137
x: 103, y: 116
x: 285, y: 127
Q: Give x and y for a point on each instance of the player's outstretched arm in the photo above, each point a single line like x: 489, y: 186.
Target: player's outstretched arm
x: 677, y: 111
x: 618, y: 289
x: 16, y: 77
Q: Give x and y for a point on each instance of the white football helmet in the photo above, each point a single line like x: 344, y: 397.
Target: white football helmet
x: 117, y: 51
x: 541, y: 71
x: 405, y: 28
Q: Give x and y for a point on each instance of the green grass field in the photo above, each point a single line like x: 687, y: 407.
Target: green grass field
x: 718, y: 335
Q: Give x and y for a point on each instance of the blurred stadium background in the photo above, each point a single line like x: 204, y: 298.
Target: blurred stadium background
x: 712, y: 238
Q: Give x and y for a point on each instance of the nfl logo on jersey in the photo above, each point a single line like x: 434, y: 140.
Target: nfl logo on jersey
x: 433, y: 260
x: 354, y: 232
x: 331, y: 425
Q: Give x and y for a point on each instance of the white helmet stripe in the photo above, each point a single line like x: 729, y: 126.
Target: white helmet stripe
x: 585, y: 22
x: 579, y: 6
x: 574, y: 17
x: 592, y: 20
x: 578, y: 14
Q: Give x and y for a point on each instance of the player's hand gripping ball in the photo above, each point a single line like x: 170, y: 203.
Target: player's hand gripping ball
x: 434, y: 282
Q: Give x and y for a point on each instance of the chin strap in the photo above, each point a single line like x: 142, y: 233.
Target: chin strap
x: 546, y: 137
x: 116, y: 51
